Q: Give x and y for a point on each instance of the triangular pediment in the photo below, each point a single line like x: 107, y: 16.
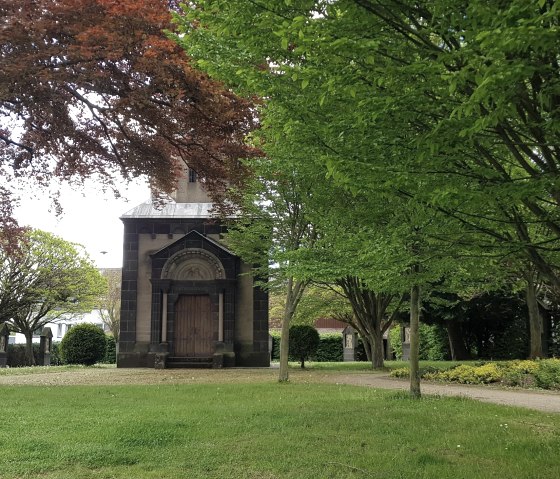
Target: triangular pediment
x: 183, y: 243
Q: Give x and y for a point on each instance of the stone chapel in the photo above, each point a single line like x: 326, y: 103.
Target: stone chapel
x: 186, y: 300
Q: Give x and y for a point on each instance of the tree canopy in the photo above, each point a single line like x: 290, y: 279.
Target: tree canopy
x: 95, y: 88
x: 44, y: 280
x: 443, y: 115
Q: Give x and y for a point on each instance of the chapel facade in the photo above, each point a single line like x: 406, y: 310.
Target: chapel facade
x: 186, y: 300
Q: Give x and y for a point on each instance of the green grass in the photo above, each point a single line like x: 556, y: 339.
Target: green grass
x: 267, y: 430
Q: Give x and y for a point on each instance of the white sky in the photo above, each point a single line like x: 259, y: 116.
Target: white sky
x: 90, y: 218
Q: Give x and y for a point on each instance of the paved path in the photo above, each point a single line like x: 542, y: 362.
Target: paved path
x: 546, y: 401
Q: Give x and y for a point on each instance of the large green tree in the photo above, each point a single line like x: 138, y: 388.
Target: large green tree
x: 272, y: 223
x: 43, y: 281
x: 452, y: 103
x: 331, y: 100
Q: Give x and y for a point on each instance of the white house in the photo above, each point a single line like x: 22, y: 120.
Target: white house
x: 61, y: 327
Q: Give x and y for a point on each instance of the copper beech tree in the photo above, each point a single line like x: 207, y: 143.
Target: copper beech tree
x: 96, y: 88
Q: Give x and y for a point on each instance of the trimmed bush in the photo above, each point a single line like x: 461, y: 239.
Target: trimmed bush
x: 434, y: 345
x: 83, y: 344
x: 111, y: 351
x: 55, y: 354
x: 304, y: 341
x: 329, y: 348
x: 16, y: 357
x: 275, y: 353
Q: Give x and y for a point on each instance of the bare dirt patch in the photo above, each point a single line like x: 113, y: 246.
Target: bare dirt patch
x: 113, y: 376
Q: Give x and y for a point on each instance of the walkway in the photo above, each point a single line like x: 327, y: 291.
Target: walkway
x: 546, y: 401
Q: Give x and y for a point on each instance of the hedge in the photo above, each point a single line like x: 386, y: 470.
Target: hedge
x: 111, y: 350
x: 16, y: 357
x: 329, y: 349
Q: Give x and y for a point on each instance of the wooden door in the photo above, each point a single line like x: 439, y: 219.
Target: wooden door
x: 194, y: 332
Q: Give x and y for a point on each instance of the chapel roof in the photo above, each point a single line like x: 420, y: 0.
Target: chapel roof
x: 170, y: 210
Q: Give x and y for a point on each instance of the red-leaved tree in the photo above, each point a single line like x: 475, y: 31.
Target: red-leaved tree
x: 95, y: 88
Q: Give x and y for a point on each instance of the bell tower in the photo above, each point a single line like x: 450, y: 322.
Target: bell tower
x: 190, y: 189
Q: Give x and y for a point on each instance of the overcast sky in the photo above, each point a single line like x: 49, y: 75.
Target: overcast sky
x: 90, y: 217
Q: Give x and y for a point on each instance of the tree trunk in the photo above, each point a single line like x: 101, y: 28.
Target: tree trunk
x: 377, y: 351
x: 284, y: 344
x: 293, y: 295
x: 459, y: 352
x: 368, y: 348
x: 535, y: 320
x: 29, y: 348
x: 414, y: 342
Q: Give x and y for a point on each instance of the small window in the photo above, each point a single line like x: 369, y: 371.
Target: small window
x: 59, y: 331
x: 192, y: 176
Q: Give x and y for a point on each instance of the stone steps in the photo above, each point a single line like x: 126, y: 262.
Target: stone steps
x: 189, y: 362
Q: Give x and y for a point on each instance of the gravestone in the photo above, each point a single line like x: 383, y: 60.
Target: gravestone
x: 349, y: 343
x: 45, y: 347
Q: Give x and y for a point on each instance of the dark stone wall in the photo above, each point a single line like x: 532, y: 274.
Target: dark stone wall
x: 260, y: 327
x: 133, y: 227
x: 127, y: 335
x: 129, y: 355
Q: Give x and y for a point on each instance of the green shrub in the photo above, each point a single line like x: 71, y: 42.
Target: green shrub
x: 543, y: 373
x: 547, y: 375
x: 55, y: 354
x: 329, y: 348
x: 111, y: 350
x: 396, y: 343
x: 16, y: 356
x: 487, y: 373
x: 275, y: 353
x: 304, y: 341
x: 467, y: 374
x: 83, y: 344
x: 400, y: 373
x: 434, y: 343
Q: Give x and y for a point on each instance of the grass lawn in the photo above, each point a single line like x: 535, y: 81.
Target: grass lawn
x: 263, y: 429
